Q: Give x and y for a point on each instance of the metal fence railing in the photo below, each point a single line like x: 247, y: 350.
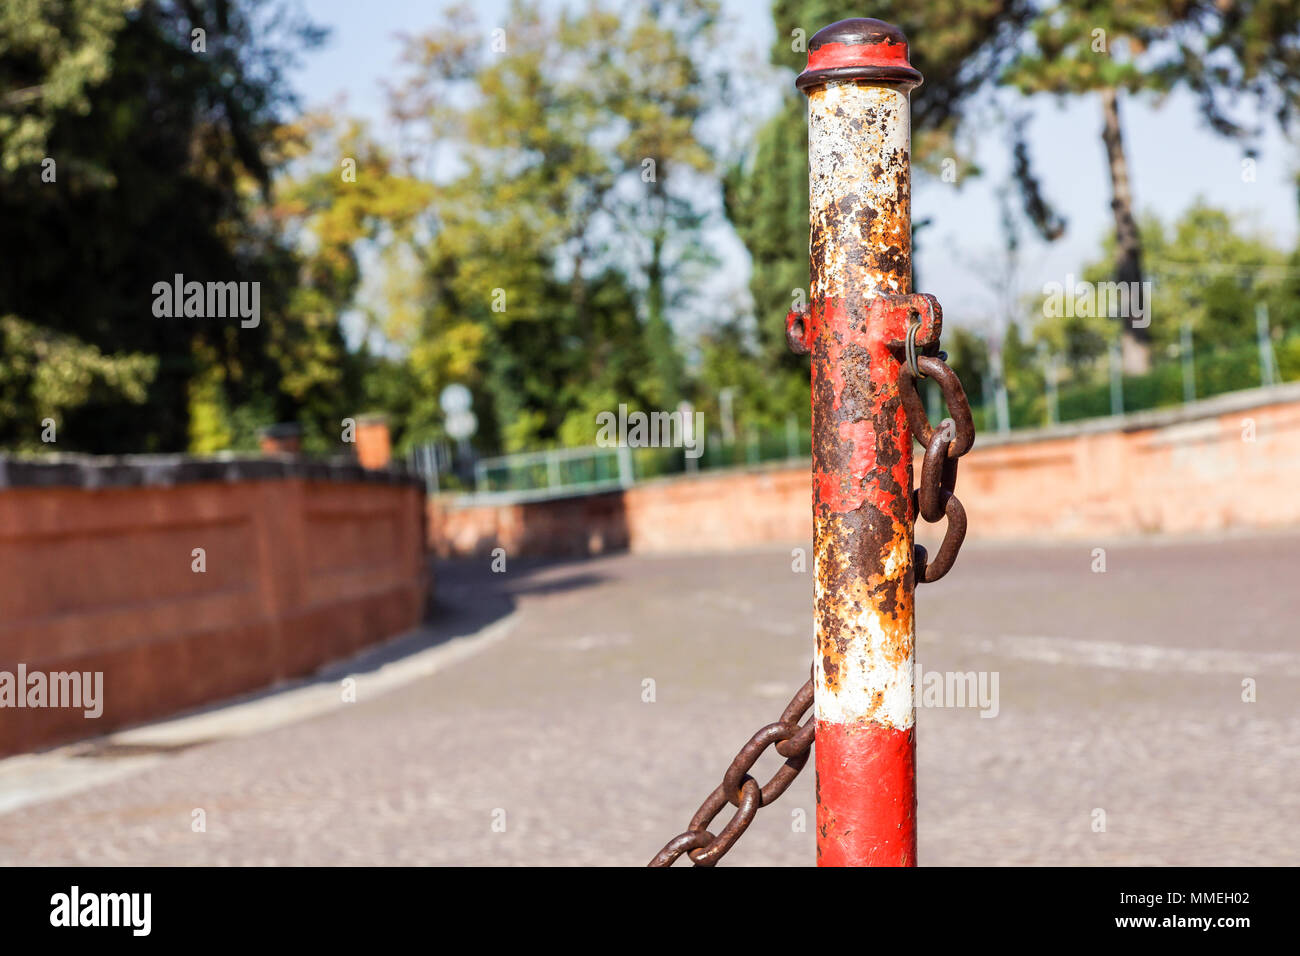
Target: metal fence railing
x: 1031, y: 401
x: 556, y: 471
x: 1053, y: 395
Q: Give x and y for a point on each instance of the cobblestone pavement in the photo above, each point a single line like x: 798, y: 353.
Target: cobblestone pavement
x: 1118, y: 692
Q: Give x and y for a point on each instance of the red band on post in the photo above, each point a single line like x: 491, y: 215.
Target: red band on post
x: 866, y: 783
x: 832, y: 55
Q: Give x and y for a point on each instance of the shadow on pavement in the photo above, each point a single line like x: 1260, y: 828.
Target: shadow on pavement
x: 470, y: 596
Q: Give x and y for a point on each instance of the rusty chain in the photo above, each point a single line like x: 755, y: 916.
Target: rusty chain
x: 793, y: 742
x: 933, y: 499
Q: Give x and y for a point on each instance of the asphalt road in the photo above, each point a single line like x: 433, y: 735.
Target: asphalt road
x: 515, y: 730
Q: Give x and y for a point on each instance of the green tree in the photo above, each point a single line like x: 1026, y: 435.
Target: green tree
x: 547, y: 262
x: 654, y: 82
x: 164, y: 145
x: 51, y: 53
x: 956, y: 44
x: 1207, y: 270
x: 1222, y: 52
x: 45, y: 374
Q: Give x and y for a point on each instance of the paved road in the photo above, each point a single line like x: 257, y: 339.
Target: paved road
x: 514, y: 731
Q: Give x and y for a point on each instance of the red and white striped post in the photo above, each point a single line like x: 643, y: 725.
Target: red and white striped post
x: 858, y: 82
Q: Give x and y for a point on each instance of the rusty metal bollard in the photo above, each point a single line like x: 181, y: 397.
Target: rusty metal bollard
x: 870, y: 339
x: 858, y: 82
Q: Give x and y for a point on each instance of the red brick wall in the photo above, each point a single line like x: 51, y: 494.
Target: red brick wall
x: 589, y: 524
x: 299, y: 572
x: 1176, y: 471
x: 1183, y: 476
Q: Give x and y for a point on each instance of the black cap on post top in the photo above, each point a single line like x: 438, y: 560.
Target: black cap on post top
x: 864, y: 49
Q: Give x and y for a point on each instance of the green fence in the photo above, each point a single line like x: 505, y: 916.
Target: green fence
x: 565, y: 471
x: 556, y: 471
x: 1085, y: 394
x: 1172, y: 380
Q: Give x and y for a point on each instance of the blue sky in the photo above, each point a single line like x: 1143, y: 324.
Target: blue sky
x: 1173, y: 159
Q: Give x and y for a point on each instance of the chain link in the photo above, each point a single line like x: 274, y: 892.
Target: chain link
x: 934, y: 497
x: 792, y: 740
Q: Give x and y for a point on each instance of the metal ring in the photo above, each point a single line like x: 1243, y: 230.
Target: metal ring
x: 909, y: 348
x: 751, y: 800
x: 954, y: 397
x: 938, y: 474
x: 733, y: 780
x: 927, y: 571
x: 799, y: 704
x: 690, y: 840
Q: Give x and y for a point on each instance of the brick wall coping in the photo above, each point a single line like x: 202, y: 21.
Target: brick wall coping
x: 132, y: 471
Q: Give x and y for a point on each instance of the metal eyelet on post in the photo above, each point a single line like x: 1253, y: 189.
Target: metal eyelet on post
x: 909, y: 347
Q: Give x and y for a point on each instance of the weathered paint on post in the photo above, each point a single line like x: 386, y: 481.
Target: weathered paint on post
x: 858, y: 80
